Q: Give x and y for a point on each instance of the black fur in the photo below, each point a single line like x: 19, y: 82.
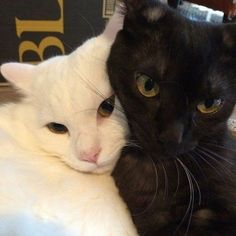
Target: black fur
x: 180, y: 177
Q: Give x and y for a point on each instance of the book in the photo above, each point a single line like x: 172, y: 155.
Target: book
x: 32, y: 31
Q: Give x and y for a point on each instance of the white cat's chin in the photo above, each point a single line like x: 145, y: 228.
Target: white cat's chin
x: 87, y: 167
x: 96, y: 169
x: 106, y: 169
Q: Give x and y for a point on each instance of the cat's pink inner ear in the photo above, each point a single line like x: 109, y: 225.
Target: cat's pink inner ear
x: 18, y: 74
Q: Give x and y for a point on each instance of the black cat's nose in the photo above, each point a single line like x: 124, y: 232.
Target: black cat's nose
x: 173, y: 133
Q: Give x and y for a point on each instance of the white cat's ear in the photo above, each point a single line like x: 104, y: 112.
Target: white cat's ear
x: 115, y: 24
x: 18, y: 74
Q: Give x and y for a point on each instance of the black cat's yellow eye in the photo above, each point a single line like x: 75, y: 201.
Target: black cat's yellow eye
x: 146, y: 85
x: 107, y: 106
x: 210, y: 106
x: 57, y: 128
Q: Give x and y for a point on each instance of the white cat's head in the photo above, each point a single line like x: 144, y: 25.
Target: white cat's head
x: 69, y: 109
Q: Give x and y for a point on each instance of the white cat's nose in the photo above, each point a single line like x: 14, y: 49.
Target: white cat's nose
x: 91, y: 155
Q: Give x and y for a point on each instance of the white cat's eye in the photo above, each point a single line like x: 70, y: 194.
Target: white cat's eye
x: 57, y: 128
x: 146, y: 85
x: 210, y: 106
x: 107, y: 106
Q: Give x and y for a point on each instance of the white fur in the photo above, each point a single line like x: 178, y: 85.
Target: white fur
x: 39, y: 194
x: 68, y: 90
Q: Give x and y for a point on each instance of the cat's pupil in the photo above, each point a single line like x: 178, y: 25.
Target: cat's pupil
x: 209, y: 103
x: 149, y: 85
x: 107, y: 106
x: 57, y: 128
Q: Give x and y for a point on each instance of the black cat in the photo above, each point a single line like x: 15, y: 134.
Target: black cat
x: 176, y: 80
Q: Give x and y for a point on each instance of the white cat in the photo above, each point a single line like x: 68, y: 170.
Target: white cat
x: 63, y: 121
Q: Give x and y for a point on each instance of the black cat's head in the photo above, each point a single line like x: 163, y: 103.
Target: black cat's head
x: 175, y: 78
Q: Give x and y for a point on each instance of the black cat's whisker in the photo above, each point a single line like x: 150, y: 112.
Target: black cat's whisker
x: 135, y: 125
x: 197, y: 185
x: 215, y: 154
x: 191, y: 198
x: 178, y: 178
x: 115, y: 150
x: 200, y: 155
x: 118, y: 120
x: 220, y: 146
x: 156, y: 189
x: 121, y: 117
x: 118, y: 108
x: 189, y: 210
x: 197, y: 164
x: 134, y: 141
x: 131, y: 144
x: 194, y: 122
x: 208, y: 155
x: 199, y: 190
x: 166, y: 181
x: 192, y: 208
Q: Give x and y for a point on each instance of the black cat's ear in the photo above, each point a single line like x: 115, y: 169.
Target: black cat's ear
x: 148, y: 10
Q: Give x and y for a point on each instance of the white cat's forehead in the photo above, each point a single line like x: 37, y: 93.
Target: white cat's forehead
x: 76, y: 82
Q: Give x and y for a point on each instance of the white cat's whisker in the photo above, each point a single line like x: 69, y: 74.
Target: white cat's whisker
x: 68, y: 46
x: 88, y: 23
x: 87, y: 82
x: 93, y: 88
